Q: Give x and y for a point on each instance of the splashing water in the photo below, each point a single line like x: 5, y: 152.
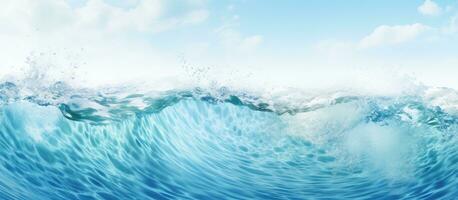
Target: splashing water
x: 61, y: 143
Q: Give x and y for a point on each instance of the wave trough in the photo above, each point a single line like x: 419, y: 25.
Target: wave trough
x: 195, y: 144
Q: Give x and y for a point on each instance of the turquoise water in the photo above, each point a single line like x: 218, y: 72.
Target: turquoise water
x: 65, y: 144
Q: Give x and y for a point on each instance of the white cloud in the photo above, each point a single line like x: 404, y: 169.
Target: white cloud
x: 429, y: 7
x: 23, y: 15
x: 232, y: 39
x: 453, y: 25
x: 390, y: 35
x: 52, y: 15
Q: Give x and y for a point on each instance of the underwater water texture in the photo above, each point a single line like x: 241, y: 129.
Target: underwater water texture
x: 184, y: 145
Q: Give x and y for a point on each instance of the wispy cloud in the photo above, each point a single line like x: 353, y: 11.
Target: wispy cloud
x: 391, y: 35
x: 232, y: 39
x: 51, y: 15
x: 429, y: 7
x: 452, y: 26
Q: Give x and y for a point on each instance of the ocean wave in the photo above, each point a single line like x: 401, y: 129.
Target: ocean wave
x: 59, y: 142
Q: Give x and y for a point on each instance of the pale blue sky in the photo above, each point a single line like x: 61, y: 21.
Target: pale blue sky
x: 151, y: 36
x: 294, y: 24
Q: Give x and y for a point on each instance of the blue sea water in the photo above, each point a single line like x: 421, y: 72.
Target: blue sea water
x: 61, y: 143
